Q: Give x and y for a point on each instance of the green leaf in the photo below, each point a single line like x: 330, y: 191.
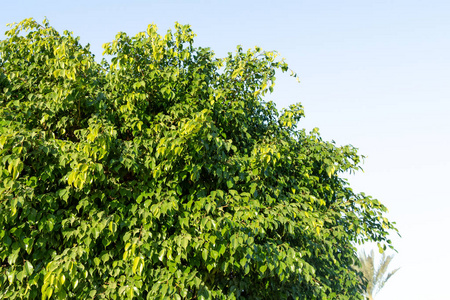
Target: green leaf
x: 122, y: 289
x: 97, y: 261
x: 229, y: 184
x: 161, y: 255
x: 62, y: 294
x: 112, y: 227
x: 126, y: 236
x: 135, y: 264
x: 253, y: 188
x: 48, y: 292
x: 243, y: 261
x: 263, y: 268
x: 185, y: 241
x: 11, y: 275
x: 164, y: 288
x: 15, y: 249
x: 28, y: 268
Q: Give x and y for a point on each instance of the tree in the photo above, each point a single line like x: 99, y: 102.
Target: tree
x: 374, y: 277
x: 164, y: 174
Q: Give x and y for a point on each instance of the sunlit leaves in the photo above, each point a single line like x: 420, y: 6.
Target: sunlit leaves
x: 164, y: 174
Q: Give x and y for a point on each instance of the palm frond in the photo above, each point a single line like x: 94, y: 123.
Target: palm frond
x: 375, y: 277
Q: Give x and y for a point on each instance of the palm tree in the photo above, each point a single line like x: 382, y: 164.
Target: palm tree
x: 374, y: 277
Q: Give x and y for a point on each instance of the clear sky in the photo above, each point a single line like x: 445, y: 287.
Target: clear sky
x: 374, y: 74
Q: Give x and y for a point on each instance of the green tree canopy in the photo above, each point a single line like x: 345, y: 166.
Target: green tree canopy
x: 163, y: 174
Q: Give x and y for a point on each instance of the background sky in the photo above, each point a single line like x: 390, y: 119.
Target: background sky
x: 374, y: 74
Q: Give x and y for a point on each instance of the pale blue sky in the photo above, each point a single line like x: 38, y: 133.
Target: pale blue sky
x: 374, y: 74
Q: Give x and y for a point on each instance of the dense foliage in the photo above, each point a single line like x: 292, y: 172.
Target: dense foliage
x: 164, y: 174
